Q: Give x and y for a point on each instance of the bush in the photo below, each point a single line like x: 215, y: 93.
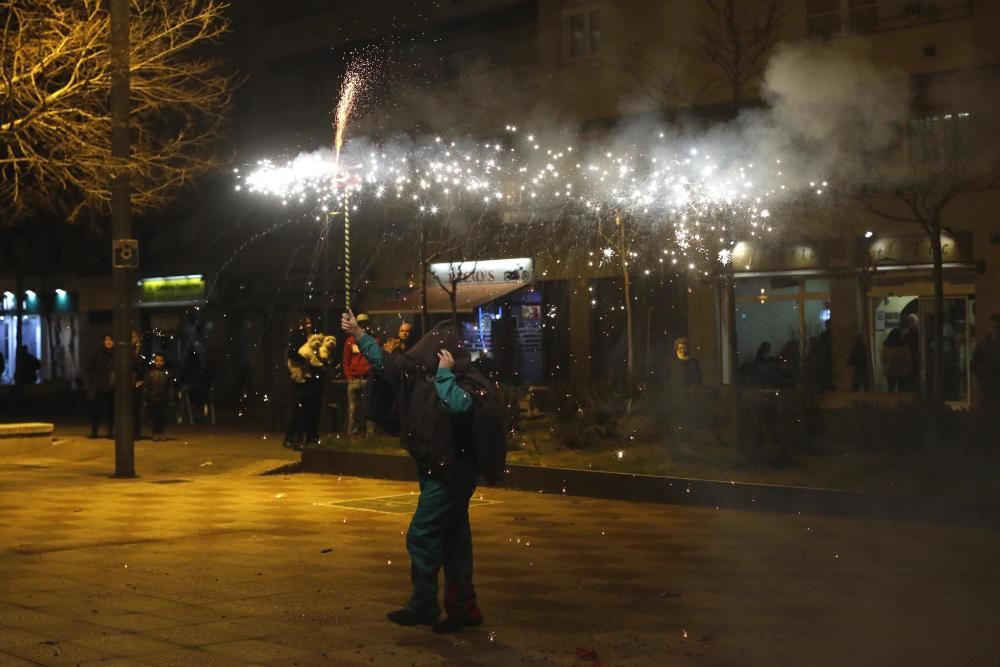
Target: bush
x: 775, y: 425
x: 581, y: 424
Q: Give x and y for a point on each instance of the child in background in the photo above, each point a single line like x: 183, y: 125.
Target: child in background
x: 156, y: 386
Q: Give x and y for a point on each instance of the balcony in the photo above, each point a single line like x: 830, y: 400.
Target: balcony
x: 865, y: 16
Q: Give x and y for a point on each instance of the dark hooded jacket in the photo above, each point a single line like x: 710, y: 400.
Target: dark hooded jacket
x: 435, y: 437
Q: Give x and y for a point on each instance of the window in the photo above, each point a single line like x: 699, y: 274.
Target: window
x: 862, y: 15
x: 831, y: 18
x: 582, y: 33
x: 823, y: 17
x: 939, y: 139
x: 275, y: 13
x: 782, y: 326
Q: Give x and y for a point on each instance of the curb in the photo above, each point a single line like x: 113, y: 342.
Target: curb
x: 675, y: 490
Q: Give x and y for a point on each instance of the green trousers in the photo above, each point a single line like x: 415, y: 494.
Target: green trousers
x: 440, y: 537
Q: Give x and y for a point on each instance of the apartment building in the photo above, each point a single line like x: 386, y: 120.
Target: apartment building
x: 471, y: 67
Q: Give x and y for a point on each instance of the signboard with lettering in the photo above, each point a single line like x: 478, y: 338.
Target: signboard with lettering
x: 916, y: 249
x: 757, y: 256
x: 172, y: 290
x: 485, y: 271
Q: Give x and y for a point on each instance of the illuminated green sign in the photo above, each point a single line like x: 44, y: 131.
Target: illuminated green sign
x: 172, y: 290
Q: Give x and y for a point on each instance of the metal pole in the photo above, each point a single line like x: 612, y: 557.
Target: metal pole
x: 121, y: 229
x: 347, y: 248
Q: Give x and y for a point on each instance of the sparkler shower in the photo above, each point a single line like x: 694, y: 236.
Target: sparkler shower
x: 700, y: 195
x: 706, y: 201
x: 348, y: 95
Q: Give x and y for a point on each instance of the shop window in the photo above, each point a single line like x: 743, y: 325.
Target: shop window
x: 910, y: 319
x: 782, y: 328
x: 31, y: 337
x: 582, y: 33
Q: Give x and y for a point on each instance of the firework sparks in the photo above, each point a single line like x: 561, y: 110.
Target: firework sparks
x: 705, y: 203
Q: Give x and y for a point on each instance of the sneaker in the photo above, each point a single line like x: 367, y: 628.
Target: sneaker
x: 456, y: 623
x: 406, y: 617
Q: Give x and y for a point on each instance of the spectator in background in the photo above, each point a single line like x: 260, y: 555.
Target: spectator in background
x: 100, y: 380
x: 356, y: 370
x: 897, y: 362
x: 985, y: 367
x: 684, y: 370
x: 298, y: 368
x: 156, y: 390
x: 763, y: 366
x: 857, y: 360
x: 819, y: 360
x: 307, y: 375
x: 487, y: 365
x: 683, y: 381
x: 26, y: 367
x: 910, y: 332
x: 402, y: 342
x: 140, y: 363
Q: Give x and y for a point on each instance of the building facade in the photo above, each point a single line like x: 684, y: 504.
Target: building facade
x: 838, y: 273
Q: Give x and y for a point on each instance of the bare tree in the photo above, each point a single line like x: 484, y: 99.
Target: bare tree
x: 619, y: 241
x: 438, y: 241
x: 737, y: 38
x: 922, y: 197
x: 55, y: 118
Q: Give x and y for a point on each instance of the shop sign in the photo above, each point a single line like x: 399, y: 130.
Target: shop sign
x: 765, y: 257
x: 172, y: 290
x: 485, y: 271
x: 917, y: 249
x: 125, y: 253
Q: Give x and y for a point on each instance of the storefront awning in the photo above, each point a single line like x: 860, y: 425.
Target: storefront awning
x: 468, y: 297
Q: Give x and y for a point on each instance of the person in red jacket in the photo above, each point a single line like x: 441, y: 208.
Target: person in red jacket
x: 356, y: 370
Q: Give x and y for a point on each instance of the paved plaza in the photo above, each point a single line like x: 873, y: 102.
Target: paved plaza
x: 206, y: 560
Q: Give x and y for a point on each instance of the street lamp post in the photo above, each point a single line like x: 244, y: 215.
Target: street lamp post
x: 124, y: 249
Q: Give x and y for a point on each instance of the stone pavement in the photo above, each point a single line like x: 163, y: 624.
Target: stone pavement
x: 199, y: 563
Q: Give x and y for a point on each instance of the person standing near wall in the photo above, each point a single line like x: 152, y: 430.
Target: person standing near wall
x: 101, y: 387
x: 298, y: 369
x: 26, y: 367
x: 897, y: 362
x: 156, y: 390
x: 356, y: 369
x: 140, y: 362
x: 985, y: 367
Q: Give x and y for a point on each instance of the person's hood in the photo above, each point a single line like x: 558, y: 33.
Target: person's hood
x: 444, y: 336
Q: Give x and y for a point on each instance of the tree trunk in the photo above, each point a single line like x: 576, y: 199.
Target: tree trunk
x: 730, y: 375
x: 864, y: 316
x: 727, y: 302
x: 937, y: 396
x: 453, y: 299
x: 629, y: 334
